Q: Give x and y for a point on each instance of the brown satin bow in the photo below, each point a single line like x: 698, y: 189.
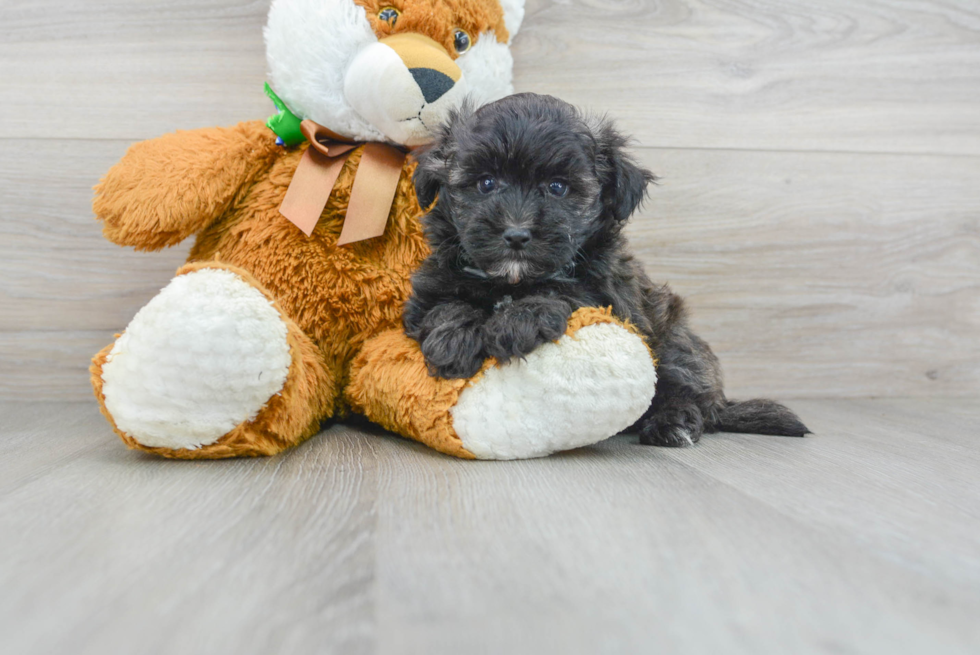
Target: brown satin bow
x: 375, y: 183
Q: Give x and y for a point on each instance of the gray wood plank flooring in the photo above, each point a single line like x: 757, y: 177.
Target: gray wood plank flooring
x: 818, y: 205
x: 818, y: 208
x: 863, y: 538
x: 871, y: 76
x: 819, y: 274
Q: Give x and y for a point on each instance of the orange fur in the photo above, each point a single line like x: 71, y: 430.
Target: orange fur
x: 337, y: 295
x: 290, y: 417
x: 169, y: 188
x: 391, y: 386
x: 342, y: 305
x: 332, y: 297
x: 438, y: 19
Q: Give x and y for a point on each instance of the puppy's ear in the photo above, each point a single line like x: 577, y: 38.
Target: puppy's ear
x: 430, y: 175
x: 435, y: 160
x: 624, y: 183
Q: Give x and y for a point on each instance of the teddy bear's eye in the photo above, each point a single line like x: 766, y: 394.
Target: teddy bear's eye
x: 461, y: 41
x: 486, y: 184
x: 558, y: 188
x: 389, y: 15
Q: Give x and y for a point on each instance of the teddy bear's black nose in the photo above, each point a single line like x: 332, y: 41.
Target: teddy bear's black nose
x: 517, y: 237
x: 434, y: 84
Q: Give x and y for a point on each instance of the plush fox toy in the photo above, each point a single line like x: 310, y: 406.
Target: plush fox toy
x: 307, y: 229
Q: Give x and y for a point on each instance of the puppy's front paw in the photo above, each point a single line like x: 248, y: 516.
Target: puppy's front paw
x: 453, y: 352
x: 449, y: 337
x: 518, y: 328
x: 675, y: 425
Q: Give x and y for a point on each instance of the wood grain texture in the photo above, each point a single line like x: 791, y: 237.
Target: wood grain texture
x: 835, y: 75
x: 863, y: 538
x: 819, y: 208
x: 812, y: 272
x: 108, y: 551
x: 49, y: 363
x: 57, y: 272
x: 129, y: 69
x: 870, y: 76
x: 823, y: 274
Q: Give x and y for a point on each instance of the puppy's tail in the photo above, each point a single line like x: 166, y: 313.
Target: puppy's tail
x: 759, y: 416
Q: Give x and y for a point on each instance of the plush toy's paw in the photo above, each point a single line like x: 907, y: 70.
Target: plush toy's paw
x: 204, y: 356
x: 586, y: 387
x: 592, y: 383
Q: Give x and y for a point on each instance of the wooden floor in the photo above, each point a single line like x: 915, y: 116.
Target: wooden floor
x: 863, y: 538
x: 819, y: 207
x: 818, y: 202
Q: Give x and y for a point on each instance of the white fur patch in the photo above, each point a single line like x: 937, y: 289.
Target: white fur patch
x: 381, y: 89
x: 309, y: 46
x: 513, y: 15
x: 511, y: 271
x: 203, y: 356
x: 324, y: 64
x: 488, y: 68
x: 568, y: 394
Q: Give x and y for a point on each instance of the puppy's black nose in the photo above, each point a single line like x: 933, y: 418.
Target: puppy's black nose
x: 433, y: 84
x: 517, y: 237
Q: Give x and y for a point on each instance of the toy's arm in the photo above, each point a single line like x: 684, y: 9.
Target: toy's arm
x: 166, y: 189
x: 595, y: 381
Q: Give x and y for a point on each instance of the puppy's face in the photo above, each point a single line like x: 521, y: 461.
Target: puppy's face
x: 524, y: 183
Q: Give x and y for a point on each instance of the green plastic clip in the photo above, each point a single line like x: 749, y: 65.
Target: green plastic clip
x: 285, y: 124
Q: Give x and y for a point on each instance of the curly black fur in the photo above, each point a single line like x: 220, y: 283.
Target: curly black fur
x: 512, y: 258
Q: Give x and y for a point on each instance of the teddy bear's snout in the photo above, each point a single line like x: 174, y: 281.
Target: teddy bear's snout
x: 404, y: 85
x: 430, y: 65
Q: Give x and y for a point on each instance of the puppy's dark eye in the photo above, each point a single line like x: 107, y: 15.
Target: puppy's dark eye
x: 461, y: 41
x: 558, y: 188
x: 389, y: 15
x: 486, y: 184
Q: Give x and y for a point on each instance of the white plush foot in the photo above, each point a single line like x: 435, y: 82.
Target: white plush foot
x: 203, y: 356
x: 573, y: 393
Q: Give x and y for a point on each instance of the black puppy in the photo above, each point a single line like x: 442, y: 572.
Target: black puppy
x: 532, y: 200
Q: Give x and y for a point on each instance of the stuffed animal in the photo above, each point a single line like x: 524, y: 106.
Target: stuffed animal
x: 307, y: 229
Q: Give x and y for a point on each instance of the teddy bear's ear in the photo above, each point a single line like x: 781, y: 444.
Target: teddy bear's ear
x: 624, y: 183
x: 435, y: 159
x: 513, y: 15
